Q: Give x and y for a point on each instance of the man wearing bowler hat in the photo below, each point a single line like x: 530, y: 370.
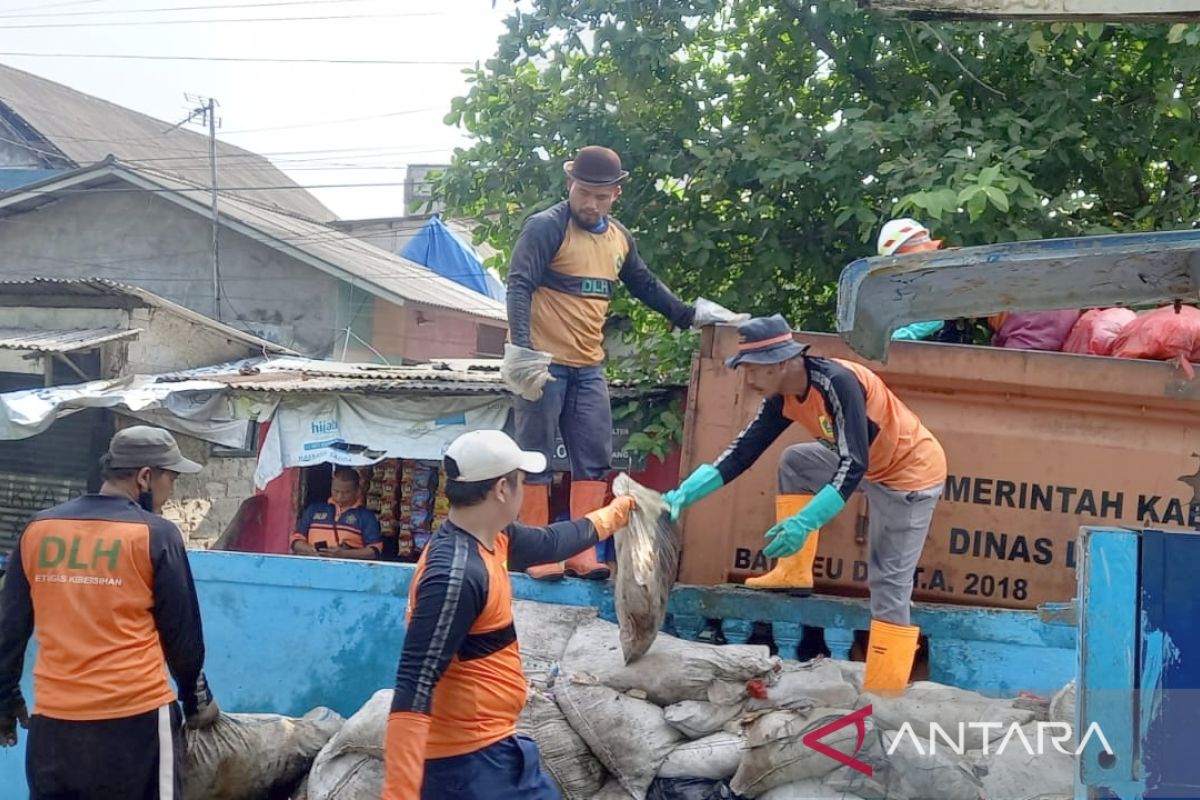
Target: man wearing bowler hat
x: 564, y: 270
x: 864, y: 437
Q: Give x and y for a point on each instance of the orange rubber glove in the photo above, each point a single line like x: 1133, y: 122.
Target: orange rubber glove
x: 612, y: 517
x: 404, y: 755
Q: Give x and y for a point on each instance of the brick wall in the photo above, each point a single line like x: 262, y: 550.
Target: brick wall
x: 205, y: 503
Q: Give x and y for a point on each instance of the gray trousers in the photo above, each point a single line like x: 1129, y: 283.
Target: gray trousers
x: 897, y: 521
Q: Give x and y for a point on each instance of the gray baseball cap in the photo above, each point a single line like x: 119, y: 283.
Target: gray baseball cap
x: 144, y: 446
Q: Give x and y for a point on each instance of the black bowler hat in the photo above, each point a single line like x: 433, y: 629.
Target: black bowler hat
x: 765, y: 340
x: 596, y: 166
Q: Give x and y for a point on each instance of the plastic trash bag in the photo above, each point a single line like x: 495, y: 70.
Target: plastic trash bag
x: 1161, y: 334
x: 710, y: 313
x: 918, y: 331
x: 1097, y: 330
x: 689, y: 789
x: 525, y: 371
x: 647, y: 563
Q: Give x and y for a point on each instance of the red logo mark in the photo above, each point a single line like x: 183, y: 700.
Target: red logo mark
x: 857, y: 718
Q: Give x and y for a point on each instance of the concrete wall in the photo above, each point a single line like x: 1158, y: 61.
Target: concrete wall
x: 147, y: 240
x: 205, y: 503
x: 419, y: 333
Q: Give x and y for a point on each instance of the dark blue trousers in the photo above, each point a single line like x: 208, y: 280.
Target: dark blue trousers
x: 508, y: 770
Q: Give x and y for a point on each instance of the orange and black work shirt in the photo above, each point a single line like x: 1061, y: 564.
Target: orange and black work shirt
x: 849, y: 409
x: 459, y: 686
x: 325, y: 523
x: 107, y: 589
x: 561, y: 281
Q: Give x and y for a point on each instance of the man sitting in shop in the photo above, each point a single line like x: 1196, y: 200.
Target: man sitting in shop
x: 341, y: 527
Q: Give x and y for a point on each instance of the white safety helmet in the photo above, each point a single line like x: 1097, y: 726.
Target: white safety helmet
x: 898, y: 232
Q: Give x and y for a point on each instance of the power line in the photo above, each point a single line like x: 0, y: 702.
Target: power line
x: 142, y: 23
x: 110, y: 12
x: 333, y: 121
x: 247, y: 60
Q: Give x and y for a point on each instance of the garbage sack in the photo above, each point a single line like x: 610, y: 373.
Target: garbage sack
x: 544, y: 629
x: 301, y: 792
x: 953, y: 710
x: 807, y: 790
x: 714, y: 757
x: 344, y: 765
x: 248, y: 756
x: 710, y: 313
x: 689, y: 789
x: 776, y: 754
x: 918, y: 770
x: 365, y: 731
x: 525, y: 371
x: 1016, y: 774
x: 853, y: 672
x: 565, y: 756
x: 696, y: 719
x: 350, y: 776
x: 1097, y: 330
x: 647, y: 563
x: 629, y: 736
x: 671, y: 671
x: 1161, y: 334
x: 1062, y: 710
x: 1034, y: 330
x: 807, y: 685
x: 613, y: 790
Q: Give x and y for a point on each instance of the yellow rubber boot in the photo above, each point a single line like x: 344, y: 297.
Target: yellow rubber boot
x: 586, y: 497
x: 792, y: 574
x: 535, y: 511
x: 891, y: 649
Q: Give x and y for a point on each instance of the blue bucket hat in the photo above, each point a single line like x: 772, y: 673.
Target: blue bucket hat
x: 765, y: 340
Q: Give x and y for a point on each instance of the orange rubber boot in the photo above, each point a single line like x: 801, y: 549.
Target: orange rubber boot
x: 792, y: 574
x: 891, y: 649
x: 535, y: 511
x: 586, y: 497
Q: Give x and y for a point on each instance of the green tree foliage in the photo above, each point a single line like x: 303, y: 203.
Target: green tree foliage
x: 769, y: 139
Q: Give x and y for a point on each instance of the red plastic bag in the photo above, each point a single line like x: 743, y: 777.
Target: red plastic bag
x: 1097, y: 330
x: 1162, y: 335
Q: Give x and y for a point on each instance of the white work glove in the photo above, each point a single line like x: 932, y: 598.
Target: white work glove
x: 710, y: 313
x: 525, y: 371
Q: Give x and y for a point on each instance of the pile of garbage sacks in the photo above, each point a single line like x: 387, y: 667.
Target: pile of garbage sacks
x: 690, y: 721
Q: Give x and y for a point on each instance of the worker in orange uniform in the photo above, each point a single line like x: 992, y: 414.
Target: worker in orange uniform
x: 104, y: 582
x: 459, y: 689
x: 341, y: 527
x: 865, y: 437
x: 564, y: 271
x: 900, y: 237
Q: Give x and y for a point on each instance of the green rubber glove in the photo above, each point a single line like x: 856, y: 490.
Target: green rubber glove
x: 918, y: 331
x: 787, y: 537
x: 700, y: 484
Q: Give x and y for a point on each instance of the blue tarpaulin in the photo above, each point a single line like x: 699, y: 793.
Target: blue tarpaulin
x: 437, y: 248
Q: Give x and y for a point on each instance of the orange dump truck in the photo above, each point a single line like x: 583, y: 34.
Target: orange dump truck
x: 1037, y: 445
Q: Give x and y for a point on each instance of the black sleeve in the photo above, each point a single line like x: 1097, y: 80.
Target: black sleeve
x: 767, y: 426
x: 847, y: 403
x: 536, y: 245
x: 177, y: 613
x: 16, y: 626
x: 530, y: 546
x: 450, y: 596
x: 650, y: 290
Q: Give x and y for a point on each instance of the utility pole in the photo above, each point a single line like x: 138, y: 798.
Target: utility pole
x: 206, y: 112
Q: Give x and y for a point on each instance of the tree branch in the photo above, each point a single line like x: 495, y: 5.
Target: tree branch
x: 961, y: 65
x: 820, y: 40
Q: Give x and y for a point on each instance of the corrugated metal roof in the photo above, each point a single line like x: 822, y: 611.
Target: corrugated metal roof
x: 61, y: 341
x: 87, y: 130
x: 302, y: 376
x: 90, y: 288
x: 382, y: 273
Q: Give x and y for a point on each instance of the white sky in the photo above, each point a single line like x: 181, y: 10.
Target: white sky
x: 258, y: 95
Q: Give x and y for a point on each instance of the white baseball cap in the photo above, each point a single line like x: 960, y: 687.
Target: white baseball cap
x: 484, y: 455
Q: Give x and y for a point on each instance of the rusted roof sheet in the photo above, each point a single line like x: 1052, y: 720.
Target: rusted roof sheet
x: 61, y: 341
